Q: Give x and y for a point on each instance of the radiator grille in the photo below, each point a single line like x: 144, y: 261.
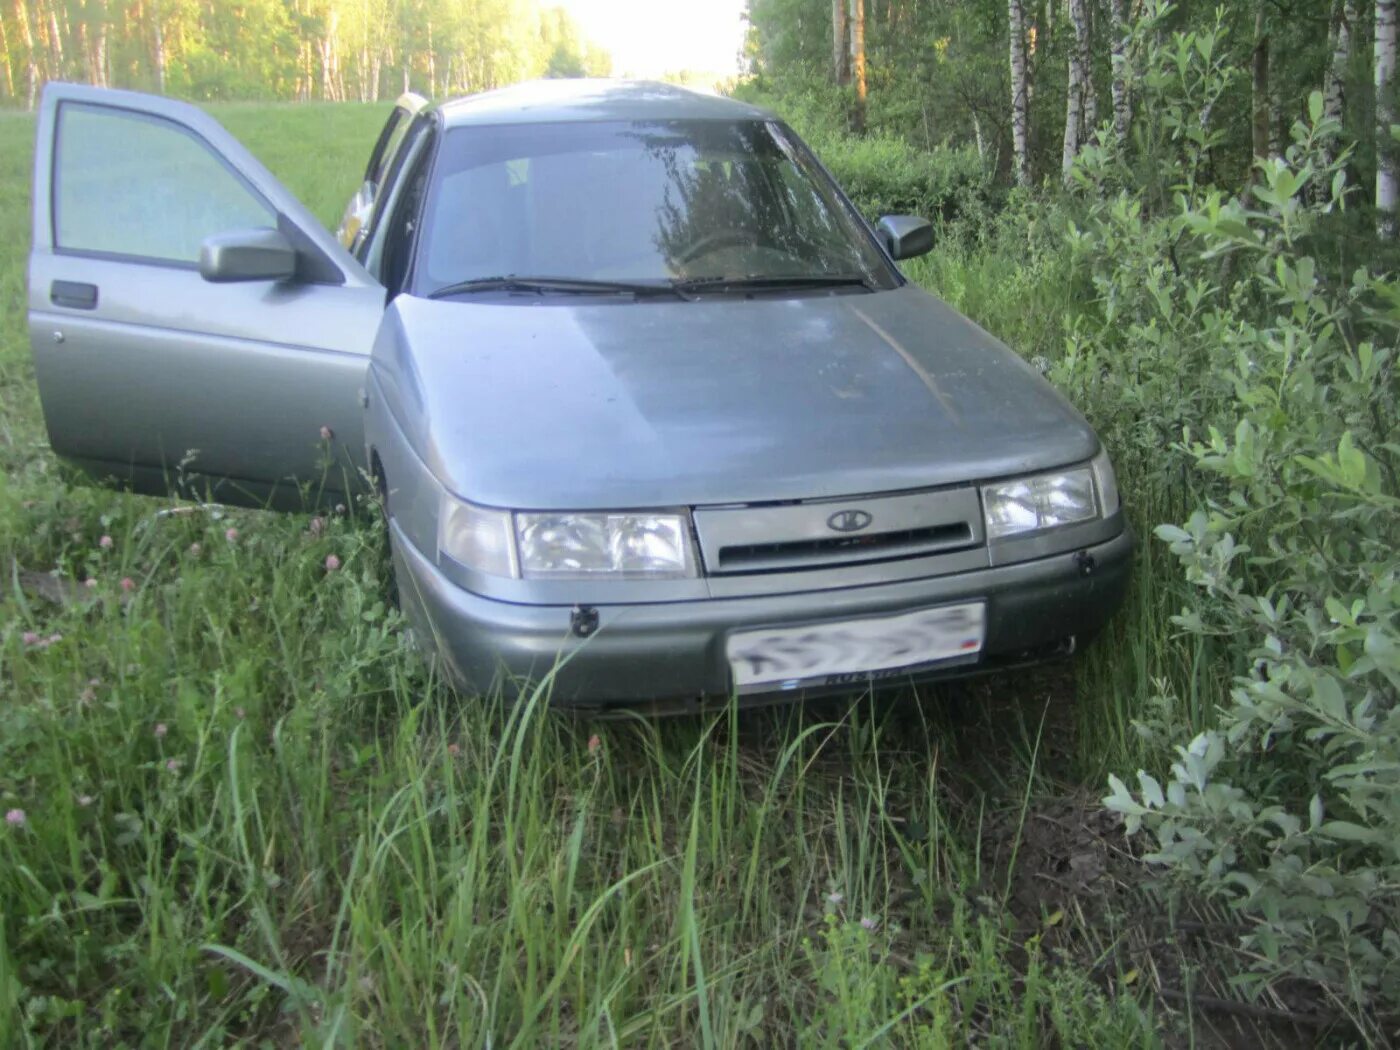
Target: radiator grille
x: 805, y: 535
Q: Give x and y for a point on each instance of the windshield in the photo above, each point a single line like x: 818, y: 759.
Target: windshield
x: 637, y: 202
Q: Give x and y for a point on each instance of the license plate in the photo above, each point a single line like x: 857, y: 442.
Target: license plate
x: 851, y: 651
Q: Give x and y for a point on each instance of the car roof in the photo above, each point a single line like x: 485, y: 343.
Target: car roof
x: 552, y: 101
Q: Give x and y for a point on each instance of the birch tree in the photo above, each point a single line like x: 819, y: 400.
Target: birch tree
x: 858, y: 60
x: 1261, y: 101
x: 7, y: 82
x: 1334, y: 81
x: 1077, y: 109
x: 840, y: 42
x: 31, y: 57
x: 1118, y: 82
x: 1387, y: 175
x: 1339, y: 41
x: 1020, y: 97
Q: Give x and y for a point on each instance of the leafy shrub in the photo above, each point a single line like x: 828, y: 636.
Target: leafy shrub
x: 1217, y: 333
x: 886, y: 176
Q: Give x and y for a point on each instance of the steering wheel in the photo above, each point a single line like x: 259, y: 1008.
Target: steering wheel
x: 714, y: 241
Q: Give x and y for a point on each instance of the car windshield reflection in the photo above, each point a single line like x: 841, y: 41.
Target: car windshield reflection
x: 726, y: 204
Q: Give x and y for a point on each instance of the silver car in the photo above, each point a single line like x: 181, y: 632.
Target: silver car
x: 653, y: 413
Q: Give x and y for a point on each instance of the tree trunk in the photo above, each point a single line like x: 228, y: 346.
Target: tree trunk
x: 158, y: 33
x: 99, y: 52
x: 1275, y: 124
x: 1020, y: 108
x: 1090, y: 120
x: 432, y: 64
x: 31, y: 60
x: 1387, y: 170
x: 8, y: 82
x: 1335, y: 82
x: 1261, y: 102
x: 55, y: 45
x: 1122, y: 101
x: 840, y: 43
x: 858, y: 61
x: 1076, y: 129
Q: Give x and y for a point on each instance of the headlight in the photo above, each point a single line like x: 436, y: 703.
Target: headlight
x: 477, y: 538
x: 1042, y: 501
x: 585, y: 545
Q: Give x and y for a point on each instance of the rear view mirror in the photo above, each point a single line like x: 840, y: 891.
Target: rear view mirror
x: 905, y: 236
x: 259, y: 254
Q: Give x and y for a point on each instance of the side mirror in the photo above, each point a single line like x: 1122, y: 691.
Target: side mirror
x: 905, y: 236
x: 259, y: 254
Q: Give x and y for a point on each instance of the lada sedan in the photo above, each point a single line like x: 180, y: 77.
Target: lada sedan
x: 653, y: 413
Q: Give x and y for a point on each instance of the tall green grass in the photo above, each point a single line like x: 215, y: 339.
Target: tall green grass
x: 250, y: 814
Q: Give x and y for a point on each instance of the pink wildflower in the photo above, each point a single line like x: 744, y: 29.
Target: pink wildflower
x: 128, y: 584
x: 332, y: 563
x: 30, y: 638
x: 105, y: 543
x: 231, y: 535
x: 327, y: 433
x: 317, y: 526
x: 161, y: 730
x: 870, y: 923
x: 173, y: 765
x: 16, y: 818
x: 594, y: 743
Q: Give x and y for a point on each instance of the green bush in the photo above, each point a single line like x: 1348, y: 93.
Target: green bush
x: 1221, y: 346
x: 886, y: 176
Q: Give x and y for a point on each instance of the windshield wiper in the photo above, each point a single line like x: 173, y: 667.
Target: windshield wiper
x: 552, y: 285
x: 765, y: 282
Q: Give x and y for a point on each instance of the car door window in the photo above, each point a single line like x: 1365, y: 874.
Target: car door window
x: 402, y: 225
x: 134, y: 185
x: 375, y: 246
x: 387, y: 147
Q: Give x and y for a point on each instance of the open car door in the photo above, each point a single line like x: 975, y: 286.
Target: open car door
x: 355, y: 222
x: 190, y: 320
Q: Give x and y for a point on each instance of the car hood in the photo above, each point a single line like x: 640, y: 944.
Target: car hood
x: 595, y: 404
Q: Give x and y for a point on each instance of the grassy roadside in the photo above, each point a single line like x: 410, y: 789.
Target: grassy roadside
x: 249, y: 814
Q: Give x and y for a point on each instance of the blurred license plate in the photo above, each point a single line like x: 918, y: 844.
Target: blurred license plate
x: 852, y: 651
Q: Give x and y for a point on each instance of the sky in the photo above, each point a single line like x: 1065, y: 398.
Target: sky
x: 651, y: 37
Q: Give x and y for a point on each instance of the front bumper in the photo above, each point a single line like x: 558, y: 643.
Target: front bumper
x: 673, y: 653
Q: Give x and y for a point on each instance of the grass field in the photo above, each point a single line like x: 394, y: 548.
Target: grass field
x: 248, y: 814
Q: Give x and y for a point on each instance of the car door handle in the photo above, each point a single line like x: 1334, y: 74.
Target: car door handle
x: 74, y: 294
